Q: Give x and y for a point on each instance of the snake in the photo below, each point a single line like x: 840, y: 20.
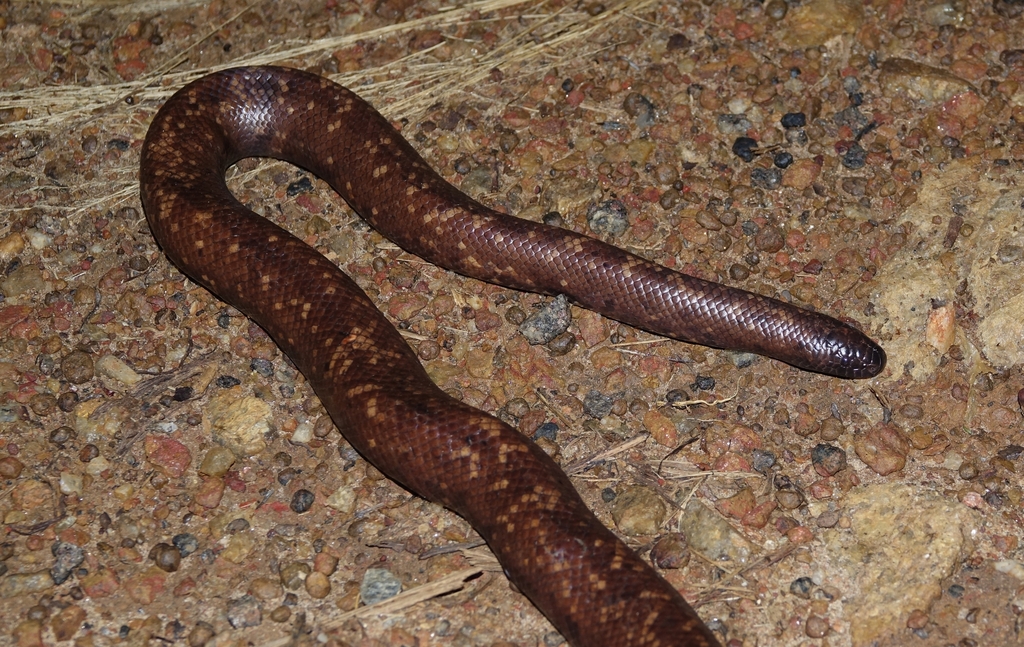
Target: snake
x: 593, y: 588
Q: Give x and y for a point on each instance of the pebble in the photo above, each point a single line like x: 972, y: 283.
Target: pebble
x: 301, y: 501
x: 745, y: 148
x: 828, y: 519
x: 67, y: 622
x: 608, y: 218
x: 640, y: 108
x: 768, y: 179
x: 318, y: 585
x: 547, y: 323
x: 201, y: 634
x: 597, y: 405
x: 562, y: 344
x: 166, y: 557
x: 186, y: 543
x: 10, y: 468
x: 763, y: 460
x: 790, y: 499
x: 828, y: 459
x: 738, y: 505
x: 262, y: 366
x: 378, y: 584
x: 325, y: 563
x: 167, y: 454
x: 15, y: 584
x: 68, y: 557
x: 816, y: 627
x: 281, y: 614
x: 883, y: 448
x: 217, y: 462
x: 244, y: 612
x: 239, y: 423
x: 113, y: 367
x: 62, y: 435
x: 793, y: 120
x: 831, y: 429
x: 343, y: 500
x: 638, y: 510
x: 265, y: 588
x: 28, y: 634
x: 671, y: 551
x: 77, y: 367
x: 920, y: 82
x: 802, y: 587
x: 294, y: 574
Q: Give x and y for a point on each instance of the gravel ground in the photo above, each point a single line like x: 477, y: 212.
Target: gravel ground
x: 169, y: 478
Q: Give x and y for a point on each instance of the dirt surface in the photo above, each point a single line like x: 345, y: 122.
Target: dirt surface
x: 156, y: 449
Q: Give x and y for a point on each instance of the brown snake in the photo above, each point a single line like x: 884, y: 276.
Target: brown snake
x: 592, y: 587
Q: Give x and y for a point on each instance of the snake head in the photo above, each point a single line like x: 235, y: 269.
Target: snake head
x: 849, y: 353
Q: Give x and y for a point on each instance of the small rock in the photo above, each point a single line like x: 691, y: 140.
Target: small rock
x: 302, y: 501
x: 713, y: 537
x: 239, y: 423
x: 28, y: 633
x: 738, y: 505
x: 883, y: 448
x: 608, y: 218
x: 597, y: 405
x: 77, y: 367
x: 166, y: 557
x: 671, y: 551
x: 16, y: 584
x: 67, y: 623
x: 201, y: 634
x: 10, y: 468
x: 378, y: 585
x: 281, y: 614
x: 816, y: 627
x: 186, y: 543
x: 904, y: 77
x: 68, y: 557
x: 244, y: 612
x: 168, y: 455
x: 116, y: 368
x: 638, y: 510
x: 217, y: 461
x: 828, y: 459
x: 318, y: 585
x: 547, y: 323
x: 294, y: 574
x: 265, y: 588
x: 343, y: 500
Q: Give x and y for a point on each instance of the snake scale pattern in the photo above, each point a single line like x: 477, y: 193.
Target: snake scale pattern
x: 593, y: 588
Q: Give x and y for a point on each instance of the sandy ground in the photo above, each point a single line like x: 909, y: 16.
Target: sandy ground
x: 818, y: 511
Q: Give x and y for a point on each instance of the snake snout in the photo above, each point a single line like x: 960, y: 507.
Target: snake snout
x: 853, y: 355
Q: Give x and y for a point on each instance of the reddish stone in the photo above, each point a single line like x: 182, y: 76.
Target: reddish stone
x: 883, y: 448
x: 732, y: 462
x: 67, y: 623
x: 800, y: 535
x: 738, y: 505
x: 210, y: 492
x: 147, y: 585
x: 28, y: 634
x: 100, y: 583
x: 184, y: 587
x: 758, y: 516
x: 168, y: 455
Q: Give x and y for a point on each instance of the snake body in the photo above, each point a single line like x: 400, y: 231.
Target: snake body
x: 592, y: 587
